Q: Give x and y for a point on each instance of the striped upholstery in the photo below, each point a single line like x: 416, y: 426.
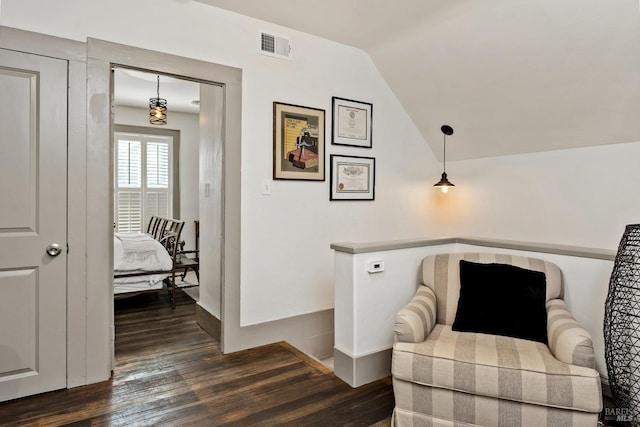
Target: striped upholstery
x: 496, y: 366
x: 447, y: 378
x: 418, y: 406
x: 568, y: 341
x: 416, y: 319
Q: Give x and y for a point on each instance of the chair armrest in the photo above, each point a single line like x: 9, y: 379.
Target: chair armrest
x: 189, y: 251
x: 416, y: 320
x: 568, y: 341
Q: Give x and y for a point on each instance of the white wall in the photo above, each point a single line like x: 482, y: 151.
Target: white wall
x: 576, y: 197
x: 187, y: 124
x: 367, y: 304
x: 284, y: 272
x: 581, y: 197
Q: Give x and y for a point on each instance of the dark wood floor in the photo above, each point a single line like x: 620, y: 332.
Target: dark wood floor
x: 170, y: 372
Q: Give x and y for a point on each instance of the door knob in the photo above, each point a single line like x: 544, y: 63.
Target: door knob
x: 54, y: 249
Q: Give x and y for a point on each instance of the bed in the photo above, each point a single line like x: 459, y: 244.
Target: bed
x: 145, y: 262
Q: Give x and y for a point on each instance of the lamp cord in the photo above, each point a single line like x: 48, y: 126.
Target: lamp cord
x: 444, y: 155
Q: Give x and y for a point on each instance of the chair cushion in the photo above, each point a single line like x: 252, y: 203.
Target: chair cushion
x: 442, y: 274
x: 496, y: 366
x: 502, y: 299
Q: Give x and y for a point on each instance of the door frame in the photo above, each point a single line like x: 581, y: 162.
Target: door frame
x: 101, y: 57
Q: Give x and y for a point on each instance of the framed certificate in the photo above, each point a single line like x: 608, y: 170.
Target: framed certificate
x: 352, y: 178
x: 298, y: 142
x: 352, y: 122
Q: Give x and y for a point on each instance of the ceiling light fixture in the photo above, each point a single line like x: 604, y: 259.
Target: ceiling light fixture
x: 444, y: 183
x: 158, y: 108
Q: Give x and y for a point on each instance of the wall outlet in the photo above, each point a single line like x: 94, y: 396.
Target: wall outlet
x: 375, y: 267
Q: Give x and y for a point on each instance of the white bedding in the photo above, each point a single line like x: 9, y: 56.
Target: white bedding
x: 138, y: 253
x: 135, y: 252
x: 147, y: 282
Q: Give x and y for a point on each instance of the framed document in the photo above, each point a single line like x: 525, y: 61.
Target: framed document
x: 352, y: 178
x: 298, y: 142
x: 352, y: 122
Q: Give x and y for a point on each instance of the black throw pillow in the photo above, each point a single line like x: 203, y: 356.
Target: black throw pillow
x: 502, y: 299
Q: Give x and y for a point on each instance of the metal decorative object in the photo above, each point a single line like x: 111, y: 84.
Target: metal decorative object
x: 622, y: 326
x: 158, y: 108
x: 444, y: 183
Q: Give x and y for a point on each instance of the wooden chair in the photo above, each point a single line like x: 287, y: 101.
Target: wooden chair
x: 156, y: 227
x: 186, y: 262
x: 169, y: 232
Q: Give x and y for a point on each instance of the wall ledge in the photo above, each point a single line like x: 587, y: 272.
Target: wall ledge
x: 391, y: 245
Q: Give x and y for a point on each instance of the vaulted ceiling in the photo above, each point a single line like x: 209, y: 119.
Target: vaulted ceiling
x: 510, y: 76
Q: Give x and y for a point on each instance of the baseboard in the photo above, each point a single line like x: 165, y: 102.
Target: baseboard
x: 357, y: 371
x: 210, y: 323
x: 311, y: 333
x: 307, y: 358
x: 319, y: 346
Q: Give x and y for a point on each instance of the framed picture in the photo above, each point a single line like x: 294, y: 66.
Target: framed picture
x: 298, y: 142
x: 352, y: 178
x: 352, y: 123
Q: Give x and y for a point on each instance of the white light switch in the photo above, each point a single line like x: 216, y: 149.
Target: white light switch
x: 207, y: 190
x: 266, y: 187
x: 375, y: 266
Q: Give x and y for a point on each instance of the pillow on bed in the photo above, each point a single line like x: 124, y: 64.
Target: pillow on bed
x: 502, y: 299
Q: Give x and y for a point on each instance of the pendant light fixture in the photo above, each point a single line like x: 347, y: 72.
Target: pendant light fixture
x: 444, y: 183
x: 158, y: 108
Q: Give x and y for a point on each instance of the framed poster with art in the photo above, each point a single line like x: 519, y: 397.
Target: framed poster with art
x: 352, y: 178
x: 352, y: 123
x: 298, y: 142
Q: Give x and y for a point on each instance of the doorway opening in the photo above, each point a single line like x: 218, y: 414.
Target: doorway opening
x: 156, y: 175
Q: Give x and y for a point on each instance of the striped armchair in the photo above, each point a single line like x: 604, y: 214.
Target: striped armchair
x: 444, y: 378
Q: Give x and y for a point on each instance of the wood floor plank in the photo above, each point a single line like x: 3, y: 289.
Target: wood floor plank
x: 168, y: 372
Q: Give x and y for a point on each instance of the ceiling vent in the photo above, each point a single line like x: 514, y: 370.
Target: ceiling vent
x: 276, y: 46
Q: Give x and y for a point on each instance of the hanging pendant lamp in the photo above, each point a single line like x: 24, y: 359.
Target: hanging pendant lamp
x: 444, y: 183
x: 158, y: 108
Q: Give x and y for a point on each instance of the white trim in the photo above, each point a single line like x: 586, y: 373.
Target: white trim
x: 102, y: 56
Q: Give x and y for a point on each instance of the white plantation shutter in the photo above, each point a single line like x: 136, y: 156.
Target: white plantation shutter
x: 129, y: 165
x: 129, y: 211
x: 157, y: 165
x: 156, y: 203
x: 143, y: 167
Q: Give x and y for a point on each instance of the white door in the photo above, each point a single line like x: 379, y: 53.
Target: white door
x: 33, y: 210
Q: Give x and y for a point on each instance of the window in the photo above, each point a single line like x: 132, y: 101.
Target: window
x: 143, y: 179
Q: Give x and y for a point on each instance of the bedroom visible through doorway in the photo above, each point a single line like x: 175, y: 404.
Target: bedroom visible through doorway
x: 155, y: 175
